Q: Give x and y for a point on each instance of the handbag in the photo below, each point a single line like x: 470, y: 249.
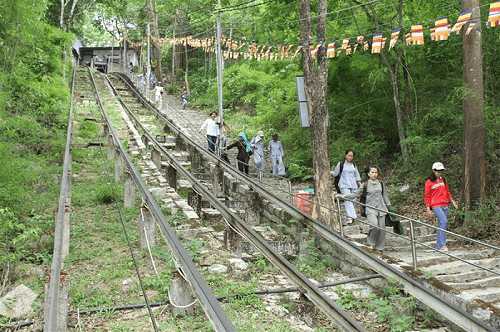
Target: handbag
x: 395, y: 223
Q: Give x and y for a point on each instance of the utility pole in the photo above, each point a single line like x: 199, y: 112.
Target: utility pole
x: 173, y: 46
x: 112, y: 54
x: 148, y: 64
x: 220, y: 72
x: 125, y: 48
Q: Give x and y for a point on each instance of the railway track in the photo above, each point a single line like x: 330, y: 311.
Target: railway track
x: 56, y: 300
x: 315, y: 295
x: 204, y: 294
x: 413, y: 286
x: 187, y: 168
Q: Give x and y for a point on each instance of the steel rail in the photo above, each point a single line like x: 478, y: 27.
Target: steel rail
x: 313, y: 293
x: 422, y: 244
x: 421, y: 223
x: 56, y: 307
x: 209, y: 303
x: 414, y: 287
x: 252, y: 181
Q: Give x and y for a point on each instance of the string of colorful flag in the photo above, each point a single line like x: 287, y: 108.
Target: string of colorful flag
x: 233, y: 49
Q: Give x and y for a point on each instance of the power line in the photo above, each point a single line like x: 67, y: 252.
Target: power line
x: 238, y: 5
x: 249, y: 6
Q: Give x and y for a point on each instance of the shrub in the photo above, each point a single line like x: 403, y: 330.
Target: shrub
x: 106, y: 193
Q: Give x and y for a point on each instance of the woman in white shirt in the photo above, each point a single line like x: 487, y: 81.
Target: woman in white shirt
x: 347, y: 176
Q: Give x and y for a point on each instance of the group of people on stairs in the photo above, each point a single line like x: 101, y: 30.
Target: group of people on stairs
x: 375, y: 203
x: 372, y: 193
x: 246, y: 148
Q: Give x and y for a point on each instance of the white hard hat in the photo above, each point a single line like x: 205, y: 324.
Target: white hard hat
x: 260, y: 133
x: 437, y: 166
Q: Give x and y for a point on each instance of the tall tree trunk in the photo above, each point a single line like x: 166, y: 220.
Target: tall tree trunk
x: 61, y: 17
x: 186, y: 68
x: 474, y: 129
x: 69, y: 23
x: 173, y: 46
x: 393, y: 76
x: 155, y: 32
x: 396, y: 97
x: 315, y: 77
x: 408, y: 105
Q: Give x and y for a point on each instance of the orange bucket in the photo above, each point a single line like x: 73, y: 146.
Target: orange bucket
x: 303, y: 201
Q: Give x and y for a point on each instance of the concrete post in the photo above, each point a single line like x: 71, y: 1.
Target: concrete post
x: 156, y: 157
x: 252, y: 207
x: 146, y: 228
x: 179, y: 143
x: 128, y: 191
x: 217, y: 174
x: 301, y: 240
x: 195, y: 201
x: 145, y: 140
x: 111, y: 148
x: 232, y: 241
x: 180, y: 295
x: 195, y: 159
x: 105, y: 130
x: 118, y: 167
x: 166, y: 129
x: 172, y: 177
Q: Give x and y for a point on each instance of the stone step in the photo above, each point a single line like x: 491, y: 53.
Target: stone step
x: 458, y: 266
x: 184, y: 184
x: 433, y: 258
x: 191, y: 215
x: 210, y: 214
x: 360, y: 238
x: 479, y: 283
x: 487, y: 294
x: 427, y: 245
x: 462, y: 277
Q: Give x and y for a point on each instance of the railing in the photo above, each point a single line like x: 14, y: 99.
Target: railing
x: 412, y: 238
x: 454, y: 313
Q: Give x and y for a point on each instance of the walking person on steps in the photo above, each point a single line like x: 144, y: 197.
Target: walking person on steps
x: 437, y: 198
x: 258, y: 152
x: 347, y: 181
x: 244, y: 152
x: 277, y: 154
x: 212, y: 131
x: 184, y: 98
x: 373, y: 194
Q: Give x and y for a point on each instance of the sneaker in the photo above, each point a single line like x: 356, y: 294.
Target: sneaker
x: 444, y: 248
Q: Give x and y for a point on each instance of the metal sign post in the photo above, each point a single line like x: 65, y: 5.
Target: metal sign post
x: 303, y: 103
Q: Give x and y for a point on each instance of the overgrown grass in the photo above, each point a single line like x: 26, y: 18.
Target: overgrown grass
x: 314, y: 264
x: 392, y: 307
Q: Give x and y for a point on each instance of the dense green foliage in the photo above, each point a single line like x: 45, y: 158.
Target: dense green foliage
x: 33, y: 115
x: 261, y: 95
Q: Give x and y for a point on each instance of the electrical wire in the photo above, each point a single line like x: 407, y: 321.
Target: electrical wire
x: 136, y: 266
x: 245, y: 7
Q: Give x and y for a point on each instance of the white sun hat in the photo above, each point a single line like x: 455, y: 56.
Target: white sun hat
x: 438, y: 166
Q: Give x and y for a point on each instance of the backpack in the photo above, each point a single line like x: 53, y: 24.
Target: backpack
x: 337, y: 178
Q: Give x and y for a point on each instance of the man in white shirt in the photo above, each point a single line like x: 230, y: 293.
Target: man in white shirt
x: 158, y: 95
x: 212, y: 130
